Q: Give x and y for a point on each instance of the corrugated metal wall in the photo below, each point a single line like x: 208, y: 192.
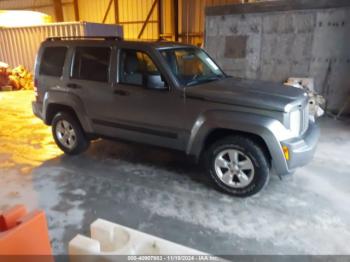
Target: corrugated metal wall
x: 18, y: 46
x: 132, y: 13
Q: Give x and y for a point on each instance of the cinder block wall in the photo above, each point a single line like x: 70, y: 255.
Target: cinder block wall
x: 277, y: 40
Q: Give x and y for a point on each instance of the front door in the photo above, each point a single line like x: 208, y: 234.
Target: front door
x: 143, y: 107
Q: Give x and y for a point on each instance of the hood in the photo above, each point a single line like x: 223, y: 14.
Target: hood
x: 249, y: 93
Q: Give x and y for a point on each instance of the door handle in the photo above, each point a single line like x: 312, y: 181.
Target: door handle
x: 121, y: 92
x: 73, y: 86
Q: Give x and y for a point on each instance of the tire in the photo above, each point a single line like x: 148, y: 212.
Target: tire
x: 65, y: 121
x: 252, y: 162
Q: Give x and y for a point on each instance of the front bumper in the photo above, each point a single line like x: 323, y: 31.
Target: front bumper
x: 302, y: 149
x: 37, y: 109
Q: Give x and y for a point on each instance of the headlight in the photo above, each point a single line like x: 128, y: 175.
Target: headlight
x: 295, y: 122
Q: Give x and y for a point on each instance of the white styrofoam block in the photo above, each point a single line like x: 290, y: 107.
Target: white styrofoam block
x: 112, y: 239
x: 82, y: 245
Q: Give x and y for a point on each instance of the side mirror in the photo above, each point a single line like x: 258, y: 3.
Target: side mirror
x: 155, y: 82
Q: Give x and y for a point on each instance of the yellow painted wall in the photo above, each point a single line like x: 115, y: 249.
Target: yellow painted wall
x: 94, y: 11
x: 136, y: 10
x: 191, y: 15
x: 192, y: 18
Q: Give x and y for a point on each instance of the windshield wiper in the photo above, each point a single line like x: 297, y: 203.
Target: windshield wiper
x: 204, y: 80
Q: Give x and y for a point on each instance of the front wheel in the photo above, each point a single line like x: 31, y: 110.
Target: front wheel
x: 68, y: 134
x: 238, y: 166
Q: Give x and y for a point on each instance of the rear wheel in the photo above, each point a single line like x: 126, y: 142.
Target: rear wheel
x: 237, y: 165
x: 68, y: 134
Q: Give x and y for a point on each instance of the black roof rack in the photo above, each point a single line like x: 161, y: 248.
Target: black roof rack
x: 59, y: 38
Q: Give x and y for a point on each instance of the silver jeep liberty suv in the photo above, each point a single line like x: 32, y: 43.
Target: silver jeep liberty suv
x: 175, y: 96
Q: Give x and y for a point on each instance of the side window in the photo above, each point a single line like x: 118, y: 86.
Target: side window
x: 91, y: 63
x: 135, y: 67
x: 52, y: 61
x: 147, y: 64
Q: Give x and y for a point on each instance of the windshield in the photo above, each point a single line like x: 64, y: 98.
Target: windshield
x: 192, y: 66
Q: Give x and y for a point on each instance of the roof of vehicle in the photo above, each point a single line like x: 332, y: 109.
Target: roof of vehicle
x: 157, y: 44
x: 149, y: 43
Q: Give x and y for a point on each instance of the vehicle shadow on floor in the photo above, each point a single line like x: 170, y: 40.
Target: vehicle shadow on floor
x: 159, y: 159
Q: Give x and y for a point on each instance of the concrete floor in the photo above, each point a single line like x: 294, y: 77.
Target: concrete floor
x: 162, y: 193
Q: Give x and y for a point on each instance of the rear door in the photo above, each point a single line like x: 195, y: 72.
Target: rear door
x: 90, y: 77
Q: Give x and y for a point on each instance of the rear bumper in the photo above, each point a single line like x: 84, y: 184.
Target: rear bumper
x: 302, y: 149
x: 37, y: 109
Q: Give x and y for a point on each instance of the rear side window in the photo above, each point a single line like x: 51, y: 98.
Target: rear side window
x: 91, y: 63
x: 52, y: 61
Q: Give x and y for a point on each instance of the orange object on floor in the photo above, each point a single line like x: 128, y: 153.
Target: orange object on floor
x: 24, y: 234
